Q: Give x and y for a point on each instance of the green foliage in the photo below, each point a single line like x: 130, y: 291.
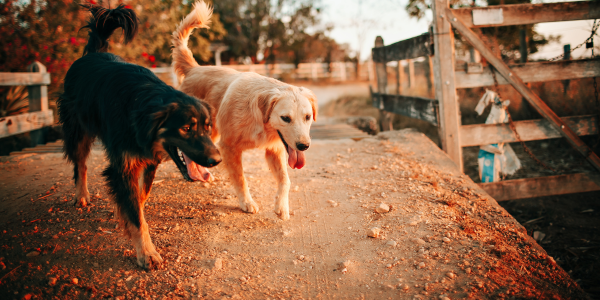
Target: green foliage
x: 504, y: 40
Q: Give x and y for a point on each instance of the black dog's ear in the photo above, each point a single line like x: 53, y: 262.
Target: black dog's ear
x: 149, y: 121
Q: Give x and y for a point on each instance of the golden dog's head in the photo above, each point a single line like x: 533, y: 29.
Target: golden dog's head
x: 291, y: 111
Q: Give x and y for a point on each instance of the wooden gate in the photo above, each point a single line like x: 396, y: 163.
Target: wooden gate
x: 447, y: 80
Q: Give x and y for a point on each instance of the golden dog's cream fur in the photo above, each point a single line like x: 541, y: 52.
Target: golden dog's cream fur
x: 250, y: 111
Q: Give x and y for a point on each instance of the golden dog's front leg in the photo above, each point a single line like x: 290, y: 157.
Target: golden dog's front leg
x: 233, y: 163
x: 276, y: 160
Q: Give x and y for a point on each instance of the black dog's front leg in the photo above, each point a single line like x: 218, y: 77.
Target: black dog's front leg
x: 149, y: 174
x: 123, y: 180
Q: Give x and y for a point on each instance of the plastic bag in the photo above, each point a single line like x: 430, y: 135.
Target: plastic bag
x: 495, y: 159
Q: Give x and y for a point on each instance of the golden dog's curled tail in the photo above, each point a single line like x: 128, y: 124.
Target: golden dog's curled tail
x: 183, y: 60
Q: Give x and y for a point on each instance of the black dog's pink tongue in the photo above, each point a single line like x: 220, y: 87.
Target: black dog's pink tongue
x: 196, y: 171
x: 295, y: 158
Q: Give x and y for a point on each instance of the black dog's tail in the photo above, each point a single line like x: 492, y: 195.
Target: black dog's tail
x: 103, y: 23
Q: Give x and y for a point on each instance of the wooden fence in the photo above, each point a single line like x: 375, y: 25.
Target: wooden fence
x: 336, y: 71
x: 39, y: 115
x: 439, y: 46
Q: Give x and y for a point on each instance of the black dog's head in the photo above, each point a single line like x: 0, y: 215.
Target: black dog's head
x: 182, y: 127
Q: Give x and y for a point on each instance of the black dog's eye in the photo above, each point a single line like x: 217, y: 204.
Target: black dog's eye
x: 286, y: 119
x: 185, y: 128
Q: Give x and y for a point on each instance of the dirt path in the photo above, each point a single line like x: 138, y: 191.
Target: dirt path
x: 442, y: 239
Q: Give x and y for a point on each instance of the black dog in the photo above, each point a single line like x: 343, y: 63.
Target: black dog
x: 140, y: 120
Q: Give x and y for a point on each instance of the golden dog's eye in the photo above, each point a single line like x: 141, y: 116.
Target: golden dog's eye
x: 185, y: 128
x: 307, y: 117
x: 286, y: 119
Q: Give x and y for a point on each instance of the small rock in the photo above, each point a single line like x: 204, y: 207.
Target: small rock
x: 468, y: 270
x: 296, y: 189
x: 374, y: 232
x: 333, y: 203
x: 52, y: 281
x: 391, y: 243
x: 345, y: 264
x: 382, y: 208
x: 344, y: 270
x: 450, y: 275
x: 538, y: 236
x: 419, y: 241
x: 27, y: 297
x: 55, y: 236
x: 404, y: 287
x: 389, y: 266
x: 217, y: 264
x: 446, y: 240
x: 96, y: 265
x: 243, y: 279
x: 421, y: 265
x: 74, y: 280
x: 33, y: 253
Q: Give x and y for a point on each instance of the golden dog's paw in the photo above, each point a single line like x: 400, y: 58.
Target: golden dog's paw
x: 147, y: 261
x: 249, y: 207
x: 283, y: 213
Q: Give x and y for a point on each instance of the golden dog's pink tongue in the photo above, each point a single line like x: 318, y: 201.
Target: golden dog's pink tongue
x: 196, y: 171
x: 295, y: 158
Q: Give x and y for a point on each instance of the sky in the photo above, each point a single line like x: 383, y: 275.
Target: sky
x: 358, y: 22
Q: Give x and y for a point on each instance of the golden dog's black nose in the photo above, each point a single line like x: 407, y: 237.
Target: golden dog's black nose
x: 302, y: 147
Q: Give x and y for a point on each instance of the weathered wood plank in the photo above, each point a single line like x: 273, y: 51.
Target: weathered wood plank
x: 407, y: 49
x: 445, y: 85
x: 12, y: 125
x: 530, y: 130
x: 533, y: 72
x: 24, y: 78
x: 414, y: 107
x: 521, y: 14
x: 540, y: 186
x: 540, y: 106
x: 386, y: 119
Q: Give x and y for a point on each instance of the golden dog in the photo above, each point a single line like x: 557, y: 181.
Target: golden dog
x: 250, y: 111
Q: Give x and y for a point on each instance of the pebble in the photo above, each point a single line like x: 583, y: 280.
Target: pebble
x: 392, y: 243
x: 96, y: 265
x: 296, y: 189
x: 382, y: 208
x: 345, y: 264
x: 55, y: 236
x: 52, y: 281
x: 389, y: 266
x: 333, y: 203
x: 419, y: 241
x: 33, y: 253
x: 446, y: 240
x: 450, y: 275
x: 404, y: 287
x: 421, y: 265
x: 74, y: 280
x: 217, y: 264
x: 374, y: 232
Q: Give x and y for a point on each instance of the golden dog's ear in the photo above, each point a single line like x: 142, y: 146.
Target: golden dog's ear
x: 312, y: 99
x: 266, y: 103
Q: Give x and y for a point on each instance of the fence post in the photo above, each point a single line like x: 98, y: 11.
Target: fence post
x: 386, y: 118
x: 429, y: 75
x: 411, y: 74
x: 343, y: 70
x: 445, y: 89
x: 38, y: 101
x: 566, y: 56
x: 398, y: 77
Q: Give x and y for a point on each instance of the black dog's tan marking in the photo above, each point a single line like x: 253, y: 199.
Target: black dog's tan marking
x: 140, y: 120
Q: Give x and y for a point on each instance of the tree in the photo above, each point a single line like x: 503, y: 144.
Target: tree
x: 504, y: 40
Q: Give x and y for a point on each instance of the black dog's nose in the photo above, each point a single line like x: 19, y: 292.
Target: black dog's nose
x: 214, y: 161
x: 302, y: 147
